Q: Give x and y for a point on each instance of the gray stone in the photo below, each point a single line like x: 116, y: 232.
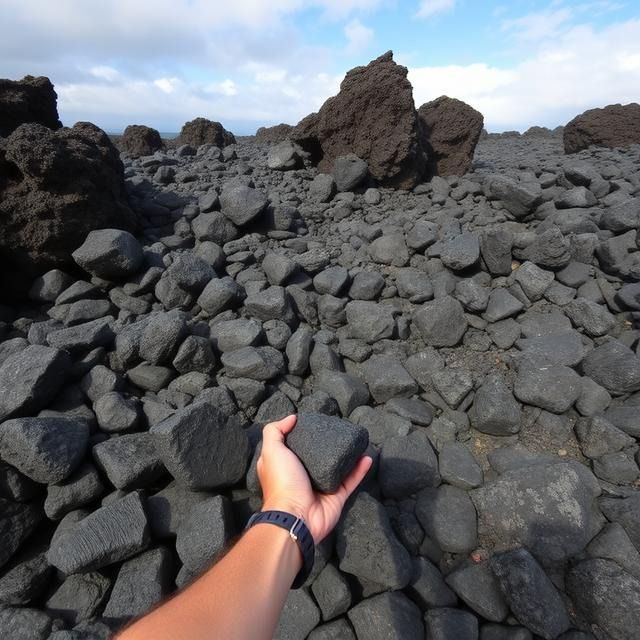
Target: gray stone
x: 201, y: 448
x: 370, y: 321
x: 461, y: 252
x: 332, y: 281
x: 564, y: 348
x: 298, y: 350
x: 390, y: 249
x: 606, y: 596
x: 349, y: 171
x: 407, y: 465
x: 495, y: 411
x: 495, y: 248
x: 82, y: 337
x: 548, y: 508
x: 478, y: 588
x: 458, y: 467
x: 284, y: 156
x: 298, y: 617
x: 79, y: 597
x: 256, y: 363
x: 366, y: 285
x: 162, y: 337
x: 597, y: 437
x: 115, y: 412
x: 129, y: 461
x: 332, y: 593
x: 453, y: 385
x: 336, y: 630
x: 502, y: 305
x: 416, y: 411
x: 151, y: 377
x: 387, y: 378
x: 593, y: 399
x: 242, y: 204
x: 25, y: 578
x: 519, y: 198
x: 618, y: 467
x: 322, y: 188
x: 204, y: 533
x: 551, y: 387
x: 441, y: 322
x: 270, y: 304
x: 533, y: 280
x: 626, y: 512
x: 348, y: 391
x: 30, y: 379
x: 387, y: 616
x: 112, y: 533
x: 446, y: 623
x: 219, y: 295
x: 532, y: 597
x: 367, y: 546
x: 473, y: 296
x: 328, y: 447
x: 169, y: 508
x: 141, y: 584
x: 47, y: 287
x: 230, y: 335
x: 46, y: 450
x: 214, y: 227
x: 414, y: 285
x: 614, y: 366
x: 195, y: 354
x: 25, y: 624
x: 109, y: 254
x: 448, y: 517
x: 590, y: 316
x: 79, y: 489
x: 17, y: 523
x: 550, y: 250
x: 381, y: 425
x: 278, y: 268
x: 613, y: 543
x: 427, y: 586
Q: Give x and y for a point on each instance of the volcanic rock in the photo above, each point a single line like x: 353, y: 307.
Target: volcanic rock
x: 138, y: 140
x: 56, y: 187
x: 451, y: 130
x: 616, y: 125
x: 277, y: 133
x: 373, y: 117
x: 27, y: 100
x: 202, y: 131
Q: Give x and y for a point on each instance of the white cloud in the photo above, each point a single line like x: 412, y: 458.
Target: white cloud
x: 104, y: 72
x: 358, y: 36
x: 578, y: 69
x: 537, y: 26
x: 429, y: 8
x: 167, y: 85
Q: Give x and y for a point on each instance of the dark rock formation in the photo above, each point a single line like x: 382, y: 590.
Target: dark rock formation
x: 451, y: 130
x: 277, y: 133
x: 613, y: 126
x: 27, y: 100
x: 202, y: 131
x: 373, y: 117
x: 56, y: 187
x: 138, y: 140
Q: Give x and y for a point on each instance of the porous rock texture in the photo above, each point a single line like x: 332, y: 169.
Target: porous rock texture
x: 616, y: 125
x: 202, y: 131
x: 451, y: 130
x: 56, y: 187
x: 374, y: 117
x: 27, y: 100
x: 276, y: 133
x: 480, y: 331
x: 140, y: 140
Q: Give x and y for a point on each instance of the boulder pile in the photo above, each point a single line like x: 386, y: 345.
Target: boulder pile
x: 478, y: 336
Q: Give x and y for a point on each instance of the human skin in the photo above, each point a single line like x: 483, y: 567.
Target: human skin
x: 242, y: 595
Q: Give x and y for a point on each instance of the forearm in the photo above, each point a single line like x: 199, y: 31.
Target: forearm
x: 240, y: 598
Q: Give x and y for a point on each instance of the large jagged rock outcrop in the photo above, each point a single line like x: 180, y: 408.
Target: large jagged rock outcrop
x: 613, y: 126
x: 203, y: 131
x: 27, y: 100
x: 277, y: 133
x: 56, y: 187
x: 451, y: 130
x: 140, y: 140
x: 374, y: 117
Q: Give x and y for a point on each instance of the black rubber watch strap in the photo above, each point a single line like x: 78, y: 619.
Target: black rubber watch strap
x: 298, y: 531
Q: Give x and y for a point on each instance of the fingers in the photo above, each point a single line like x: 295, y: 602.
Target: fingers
x: 275, y: 432
x: 356, y: 476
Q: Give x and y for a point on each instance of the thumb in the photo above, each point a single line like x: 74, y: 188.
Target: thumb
x: 275, y: 432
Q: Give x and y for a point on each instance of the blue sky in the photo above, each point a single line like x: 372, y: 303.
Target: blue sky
x: 254, y: 62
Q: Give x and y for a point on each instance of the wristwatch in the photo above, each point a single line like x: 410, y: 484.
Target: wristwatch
x: 298, y: 531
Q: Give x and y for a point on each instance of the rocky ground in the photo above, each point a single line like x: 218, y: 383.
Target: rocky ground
x: 483, y: 329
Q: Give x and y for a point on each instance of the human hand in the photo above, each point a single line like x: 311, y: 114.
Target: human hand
x: 286, y: 485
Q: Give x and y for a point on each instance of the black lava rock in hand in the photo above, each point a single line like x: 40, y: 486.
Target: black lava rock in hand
x: 328, y: 448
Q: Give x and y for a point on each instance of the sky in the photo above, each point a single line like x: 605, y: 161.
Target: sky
x: 248, y: 63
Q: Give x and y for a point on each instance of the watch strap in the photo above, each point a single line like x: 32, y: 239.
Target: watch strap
x: 299, y: 533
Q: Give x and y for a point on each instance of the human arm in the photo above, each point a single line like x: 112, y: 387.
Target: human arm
x: 241, y: 597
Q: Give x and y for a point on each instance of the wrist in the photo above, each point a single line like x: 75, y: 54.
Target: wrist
x: 287, y: 506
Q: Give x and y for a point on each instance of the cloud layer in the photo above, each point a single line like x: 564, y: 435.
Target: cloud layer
x: 252, y: 62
